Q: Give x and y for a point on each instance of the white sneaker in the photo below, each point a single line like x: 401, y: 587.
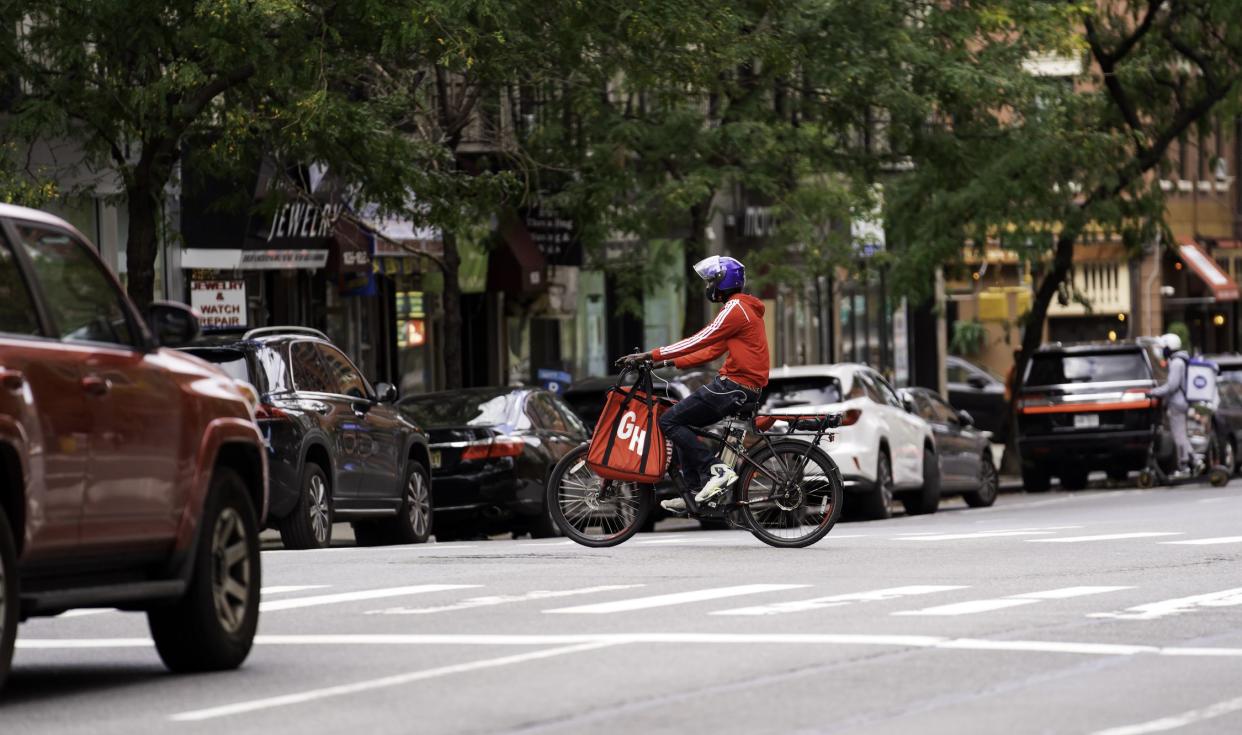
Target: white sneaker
x: 674, y: 505
x: 722, y: 477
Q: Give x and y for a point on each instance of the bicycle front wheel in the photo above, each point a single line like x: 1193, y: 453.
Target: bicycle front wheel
x: 591, y: 510
x: 791, y: 494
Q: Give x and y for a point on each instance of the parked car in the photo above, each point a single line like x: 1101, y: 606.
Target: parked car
x: 492, y: 451
x: 1084, y: 407
x: 131, y: 475
x: 339, y: 448
x: 963, y: 451
x: 973, y: 388
x: 883, y: 451
x: 587, y: 396
x: 1228, y: 418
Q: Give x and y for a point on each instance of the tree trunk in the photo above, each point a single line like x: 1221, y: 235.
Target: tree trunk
x: 451, y: 300
x: 694, y: 314
x: 142, y: 245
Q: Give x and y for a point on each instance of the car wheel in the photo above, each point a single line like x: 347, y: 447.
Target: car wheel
x: 309, y: 526
x: 1229, y: 456
x: 926, y: 499
x: 989, y: 485
x: 878, y: 504
x: 1074, y: 480
x: 8, y: 596
x: 211, y: 628
x: 412, y: 524
x: 1035, y: 480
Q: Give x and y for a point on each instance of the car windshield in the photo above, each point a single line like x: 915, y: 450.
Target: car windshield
x: 232, y: 362
x: 816, y: 390
x: 1102, y: 367
x: 464, y: 409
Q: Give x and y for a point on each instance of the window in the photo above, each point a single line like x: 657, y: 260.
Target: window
x: 85, y: 305
x: 1055, y: 369
x: 941, y: 411
x: 17, y: 309
x: 544, y: 414
x: 309, y: 372
x: 810, y: 391
x: 956, y: 373
x: 923, y: 406
x: 576, y: 426
x: 344, y: 377
x: 887, y: 394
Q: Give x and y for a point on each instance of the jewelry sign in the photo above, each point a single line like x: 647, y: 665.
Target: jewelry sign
x: 220, y: 304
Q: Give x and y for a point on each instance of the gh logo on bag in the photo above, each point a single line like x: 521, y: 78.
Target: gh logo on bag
x: 628, y: 429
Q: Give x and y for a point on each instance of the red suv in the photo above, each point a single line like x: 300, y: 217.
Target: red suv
x: 131, y: 475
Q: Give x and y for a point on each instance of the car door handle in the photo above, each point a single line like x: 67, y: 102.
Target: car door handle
x: 96, y: 385
x: 12, y: 379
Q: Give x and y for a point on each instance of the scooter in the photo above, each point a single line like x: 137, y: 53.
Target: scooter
x: 1199, y: 426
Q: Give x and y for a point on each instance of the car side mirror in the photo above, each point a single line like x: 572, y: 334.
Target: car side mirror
x: 977, y: 381
x: 908, y: 402
x: 965, y: 418
x: 173, y: 324
x: 385, y: 392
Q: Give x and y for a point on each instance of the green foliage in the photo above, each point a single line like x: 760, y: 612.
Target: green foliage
x: 969, y: 337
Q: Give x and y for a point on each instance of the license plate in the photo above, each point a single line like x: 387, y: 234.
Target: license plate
x: 1086, y: 420
x: 435, y: 460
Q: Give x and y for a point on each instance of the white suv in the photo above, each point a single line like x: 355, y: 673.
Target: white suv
x: 883, y: 450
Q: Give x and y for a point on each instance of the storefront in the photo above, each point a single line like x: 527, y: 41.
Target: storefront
x: 1203, y: 297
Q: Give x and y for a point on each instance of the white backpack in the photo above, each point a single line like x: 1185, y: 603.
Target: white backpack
x: 1200, y: 385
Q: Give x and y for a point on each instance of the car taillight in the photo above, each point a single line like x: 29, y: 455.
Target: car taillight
x: 268, y: 412
x: 491, y: 449
x: 850, y: 417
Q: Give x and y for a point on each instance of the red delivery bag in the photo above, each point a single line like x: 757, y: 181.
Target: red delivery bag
x: 627, y: 444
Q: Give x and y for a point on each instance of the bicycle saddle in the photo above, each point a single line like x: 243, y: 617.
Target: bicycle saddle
x: 747, y: 410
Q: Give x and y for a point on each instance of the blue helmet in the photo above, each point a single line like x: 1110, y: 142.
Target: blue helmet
x: 721, y: 273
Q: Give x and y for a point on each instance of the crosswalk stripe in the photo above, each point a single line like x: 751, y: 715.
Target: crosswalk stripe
x: 474, y: 602
x: 984, y: 534
x: 1176, y: 606
x: 819, y: 603
x: 676, y: 598
x: 1102, y: 537
x: 972, y: 607
x: 376, y: 594
x: 274, y: 590
x: 1207, y: 541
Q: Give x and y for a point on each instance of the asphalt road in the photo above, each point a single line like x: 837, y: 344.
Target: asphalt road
x: 1114, y: 612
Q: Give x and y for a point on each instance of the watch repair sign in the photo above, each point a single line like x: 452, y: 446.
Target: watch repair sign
x: 220, y: 304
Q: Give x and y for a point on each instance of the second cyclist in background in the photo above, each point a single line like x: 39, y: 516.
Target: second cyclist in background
x: 737, y: 330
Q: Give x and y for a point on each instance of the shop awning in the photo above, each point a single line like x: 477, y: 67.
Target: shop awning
x: 517, y: 266
x: 1223, y: 287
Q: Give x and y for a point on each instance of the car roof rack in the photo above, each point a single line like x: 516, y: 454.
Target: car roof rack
x: 264, y: 331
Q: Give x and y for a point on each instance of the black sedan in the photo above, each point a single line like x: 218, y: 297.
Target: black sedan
x: 964, y: 452
x: 974, y: 389
x: 492, y: 450
x: 338, y: 449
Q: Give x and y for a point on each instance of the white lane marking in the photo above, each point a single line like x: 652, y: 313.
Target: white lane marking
x: 801, y: 639
x: 448, y: 546
x: 1211, y: 500
x: 676, y: 598
x: 667, y: 541
x: 818, y: 603
x: 316, y: 695
x: 1174, y: 722
x: 1176, y: 606
x: 281, y: 589
x: 500, y: 600
x: 376, y: 594
x: 567, y: 542
x: 1102, y: 537
x: 986, y: 534
x: 1206, y: 541
x: 84, y: 611
x: 275, y: 590
x: 971, y: 607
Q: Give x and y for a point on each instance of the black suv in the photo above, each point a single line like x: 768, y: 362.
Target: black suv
x: 338, y: 447
x: 1084, y: 407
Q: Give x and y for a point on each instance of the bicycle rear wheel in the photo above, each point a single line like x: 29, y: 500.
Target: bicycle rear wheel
x: 591, y: 510
x: 791, y: 494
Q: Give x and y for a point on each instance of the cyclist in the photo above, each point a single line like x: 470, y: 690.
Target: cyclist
x: 738, y: 330
x: 1174, y: 394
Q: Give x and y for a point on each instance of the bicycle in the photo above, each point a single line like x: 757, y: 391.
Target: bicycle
x: 788, y: 493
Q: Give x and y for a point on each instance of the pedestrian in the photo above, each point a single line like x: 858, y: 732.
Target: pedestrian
x: 1173, y: 393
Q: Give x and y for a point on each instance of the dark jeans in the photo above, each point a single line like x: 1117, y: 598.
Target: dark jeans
x: 717, y: 400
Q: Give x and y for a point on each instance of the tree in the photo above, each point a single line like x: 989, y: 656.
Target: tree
x: 132, y: 81
x: 1034, y: 161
